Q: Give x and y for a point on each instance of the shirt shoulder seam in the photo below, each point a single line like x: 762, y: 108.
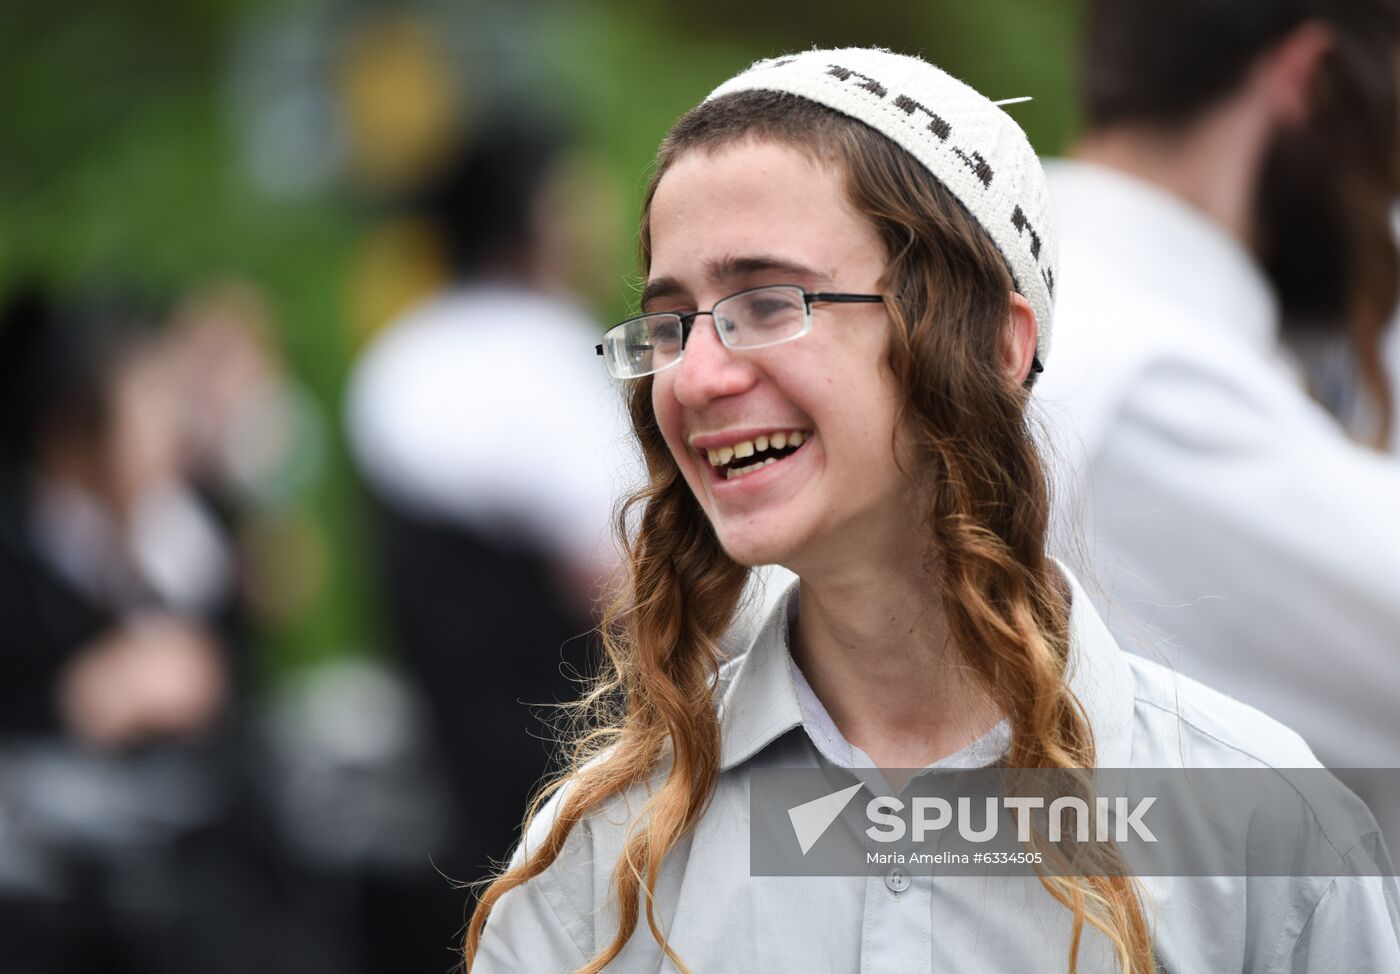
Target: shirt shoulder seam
x: 1249, y: 754
x: 1291, y: 945
x: 548, y: 890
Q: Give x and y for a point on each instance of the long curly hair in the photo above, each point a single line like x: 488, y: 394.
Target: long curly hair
x: 962, y: 436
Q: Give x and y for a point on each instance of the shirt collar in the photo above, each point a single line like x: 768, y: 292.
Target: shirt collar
x: 1129, y: 231
x: 759, y: 703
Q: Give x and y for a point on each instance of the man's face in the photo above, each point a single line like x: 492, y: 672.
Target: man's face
x: 753, y: 214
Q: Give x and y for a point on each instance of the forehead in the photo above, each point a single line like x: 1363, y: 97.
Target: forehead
x: 740, y: 206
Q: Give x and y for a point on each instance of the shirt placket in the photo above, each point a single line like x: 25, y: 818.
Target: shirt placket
x: 897, y: 927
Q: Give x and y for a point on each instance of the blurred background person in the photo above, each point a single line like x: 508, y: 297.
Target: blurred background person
x: 154, y: 818
x: 491, y: 443
x: 1233, y: 185
x: 127, y: 838
x: 119, y: 588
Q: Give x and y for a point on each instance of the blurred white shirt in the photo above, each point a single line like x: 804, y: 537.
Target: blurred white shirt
x: 486, y: 406
x: 1235, y: 530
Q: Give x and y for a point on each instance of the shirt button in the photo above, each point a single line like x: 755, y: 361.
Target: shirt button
x: 897, y: 880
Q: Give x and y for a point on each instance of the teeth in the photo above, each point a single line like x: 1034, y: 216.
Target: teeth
x: 720, y: 456
x: 735, y: 473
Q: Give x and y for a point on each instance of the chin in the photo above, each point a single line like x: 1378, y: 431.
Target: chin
x: 752, y: 551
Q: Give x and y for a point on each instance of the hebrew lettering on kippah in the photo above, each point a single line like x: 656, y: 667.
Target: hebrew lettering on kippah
x: 936, y: 123
x: 940, y: 127
x: 977, y: 164
x: 867, y: 82
x: 1019, y: 221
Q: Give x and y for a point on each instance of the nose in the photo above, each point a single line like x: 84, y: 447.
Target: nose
x: 709, y: 370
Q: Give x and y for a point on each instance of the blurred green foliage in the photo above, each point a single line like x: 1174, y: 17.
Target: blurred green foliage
x: 120, y: 158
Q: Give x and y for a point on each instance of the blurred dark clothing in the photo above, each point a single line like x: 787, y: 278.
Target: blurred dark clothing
x: 47, y: 619
x: 152, y: 858
x: 159, y: 860
x: 478, y: 628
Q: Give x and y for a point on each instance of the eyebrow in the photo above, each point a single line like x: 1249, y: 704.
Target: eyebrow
x: 728, y: 268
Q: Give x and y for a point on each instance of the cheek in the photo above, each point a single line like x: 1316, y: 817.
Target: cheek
x: 668, y: 418
x: 869, y: 429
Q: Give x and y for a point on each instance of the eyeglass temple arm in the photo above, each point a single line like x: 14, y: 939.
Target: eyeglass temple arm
x: 843, y: 298
x: 1036, y: 365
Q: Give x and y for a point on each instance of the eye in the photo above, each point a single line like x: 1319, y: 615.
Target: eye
x: 768, y: 314
x: 769, y: 307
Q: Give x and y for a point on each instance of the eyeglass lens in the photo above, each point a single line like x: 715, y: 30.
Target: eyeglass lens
x: 763, y: 316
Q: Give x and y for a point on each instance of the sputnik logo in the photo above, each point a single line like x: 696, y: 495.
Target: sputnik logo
x: 810, y: 820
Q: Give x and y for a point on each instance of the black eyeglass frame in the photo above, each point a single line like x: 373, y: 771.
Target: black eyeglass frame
x: 687, y: 319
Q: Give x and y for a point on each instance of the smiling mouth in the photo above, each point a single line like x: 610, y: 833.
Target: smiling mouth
x: 750, y: 456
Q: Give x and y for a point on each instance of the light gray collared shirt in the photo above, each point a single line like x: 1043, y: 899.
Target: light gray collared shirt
x: 720, y: 918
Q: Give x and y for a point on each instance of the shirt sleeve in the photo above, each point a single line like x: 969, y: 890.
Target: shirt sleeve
x: 1355, y: 929
x: 546, y: 924
x: 524, y: 933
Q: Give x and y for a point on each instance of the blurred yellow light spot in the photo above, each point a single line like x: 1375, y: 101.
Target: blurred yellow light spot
x: 398, y: 264
x: 399, y: 99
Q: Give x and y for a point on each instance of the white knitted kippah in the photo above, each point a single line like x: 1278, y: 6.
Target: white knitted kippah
x: 969, y: 144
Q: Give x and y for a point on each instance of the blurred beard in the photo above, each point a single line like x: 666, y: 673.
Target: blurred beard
x: 1325, y: 237
x: 1304, y: 235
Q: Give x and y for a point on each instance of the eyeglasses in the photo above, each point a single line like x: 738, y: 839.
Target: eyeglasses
x: 755, y: 318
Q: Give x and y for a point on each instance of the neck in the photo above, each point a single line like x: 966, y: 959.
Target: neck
x: 874, y: 645
x: 1213, y: 164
